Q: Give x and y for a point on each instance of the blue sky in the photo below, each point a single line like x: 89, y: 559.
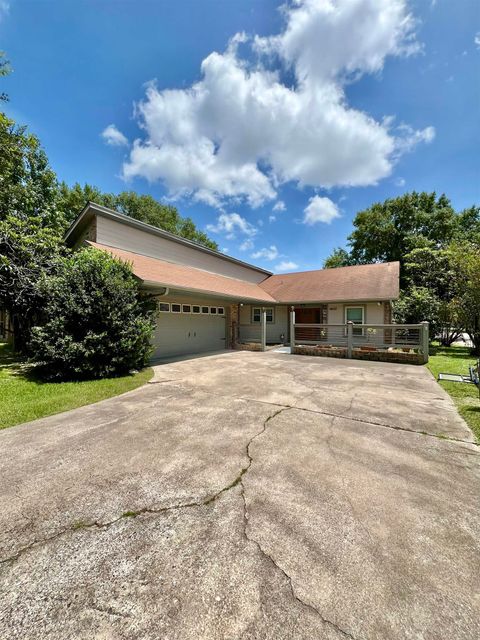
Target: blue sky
x: 271, y: 139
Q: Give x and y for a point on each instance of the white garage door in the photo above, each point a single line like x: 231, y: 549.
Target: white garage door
x: 188, y: 328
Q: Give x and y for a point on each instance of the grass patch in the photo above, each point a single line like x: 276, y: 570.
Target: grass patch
x: 24, y: 398
x: 465, y: 396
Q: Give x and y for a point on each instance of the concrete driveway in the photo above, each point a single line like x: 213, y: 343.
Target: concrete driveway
x: 246, y: 495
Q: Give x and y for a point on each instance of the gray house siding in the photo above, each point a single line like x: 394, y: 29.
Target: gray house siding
x: 123, y: 236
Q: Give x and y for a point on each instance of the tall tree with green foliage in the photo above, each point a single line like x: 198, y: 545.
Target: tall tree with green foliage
x: 388, y: 231
x: 466, y: 302
x: 430, y: 286
x: 30, y: 225
x: 28, y: 185
x: 28, y: 251
x: 468, y: 226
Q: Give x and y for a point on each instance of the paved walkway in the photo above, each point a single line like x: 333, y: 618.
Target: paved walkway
x: 245, y: 495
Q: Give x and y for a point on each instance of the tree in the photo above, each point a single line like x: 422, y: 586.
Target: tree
x: 466, y: 303
x: 338, y: 258
x: 468, y: 226
x: 429, y: 269
x: 71, y: 200
x: 28, y: 251
x: 28, y: 185
x: 95, y: 321
x: 388, y: 231
x: 416, y: 305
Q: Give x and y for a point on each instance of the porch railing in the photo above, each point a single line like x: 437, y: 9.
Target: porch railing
x: 364, y: 337
x: 249, y: 332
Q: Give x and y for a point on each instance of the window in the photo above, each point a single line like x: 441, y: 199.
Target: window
x: 186, y: 308
x: 221, y: 311
x: 213, y: 310
x: 195, y: 309
x: 176, y: 308
x: 355, y: 315
x: 164, y: 307
x: 205, y: 310
x: 257, y: 314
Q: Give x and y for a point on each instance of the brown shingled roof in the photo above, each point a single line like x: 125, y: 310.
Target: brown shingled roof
x: 178, y: 276
x: 357, y: 283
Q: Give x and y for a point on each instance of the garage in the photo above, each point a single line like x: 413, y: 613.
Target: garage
x: 186, y: 327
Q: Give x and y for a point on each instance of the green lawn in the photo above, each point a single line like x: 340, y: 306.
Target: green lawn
x: 23, y: 398
x: 465, y: 396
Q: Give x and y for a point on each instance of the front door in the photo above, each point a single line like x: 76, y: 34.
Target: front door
x: 311, y: 315
x: 305, y: 315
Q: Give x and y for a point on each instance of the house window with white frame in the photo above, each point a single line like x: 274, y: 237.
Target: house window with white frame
x: 257, y: 315
x: 357, y: 316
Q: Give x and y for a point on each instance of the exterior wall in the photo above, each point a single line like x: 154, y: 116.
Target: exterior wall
x: 251, y: 330
x: 123, y: 236
x: 373, y: 312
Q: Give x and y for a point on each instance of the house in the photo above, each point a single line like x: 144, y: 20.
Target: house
x: 209, y: 301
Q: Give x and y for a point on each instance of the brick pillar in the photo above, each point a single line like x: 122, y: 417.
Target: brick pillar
x: 232, y: 322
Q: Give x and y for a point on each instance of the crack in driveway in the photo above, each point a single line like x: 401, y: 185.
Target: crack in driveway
x: 76, y: 526
x: 272, y: 561
x: 207, y: 501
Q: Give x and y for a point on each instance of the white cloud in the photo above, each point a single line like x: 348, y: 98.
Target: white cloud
x: 286, y: 265
x: 400, y: 182
x: 272, y: 218
x: 246, y: 245
x: 279, y: 206
x: 230, y: 223
x: 408, y: 138
x: 320, y: 210
x: 477, y: 39
x: 241, y: 130
x: 268, y: 253
x: 114, y: 137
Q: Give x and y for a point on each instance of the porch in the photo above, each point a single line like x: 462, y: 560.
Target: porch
x: 308, y: 332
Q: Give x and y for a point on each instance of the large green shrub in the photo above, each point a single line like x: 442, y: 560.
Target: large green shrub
x: 95, y: 322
